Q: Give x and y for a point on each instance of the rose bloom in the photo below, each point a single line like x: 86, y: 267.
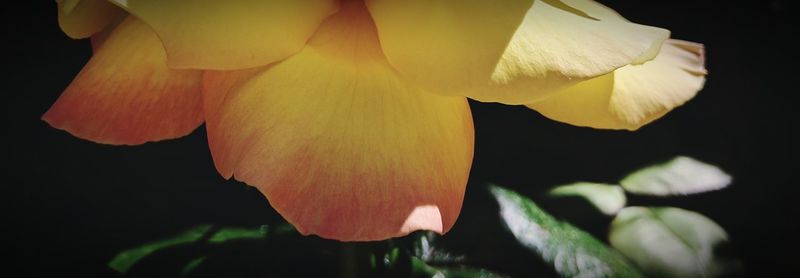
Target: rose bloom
x: 351, y: 117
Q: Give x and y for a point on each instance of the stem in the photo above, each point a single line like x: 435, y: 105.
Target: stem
x: 349, y: 261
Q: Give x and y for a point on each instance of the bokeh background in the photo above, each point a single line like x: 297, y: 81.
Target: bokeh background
x: 71, y: 205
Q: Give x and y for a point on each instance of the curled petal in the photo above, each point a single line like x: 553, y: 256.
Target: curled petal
x: 634, y: 95
x: 339, y: 144
x: 82, y: 18
x: 516, y: 52
x: 560, y: 43
x: 126, y: 94
x: 232, y: 34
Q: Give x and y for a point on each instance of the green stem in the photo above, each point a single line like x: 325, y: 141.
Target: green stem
x: 349, y: 261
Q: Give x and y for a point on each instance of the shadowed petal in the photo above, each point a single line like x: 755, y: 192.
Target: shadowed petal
x: 126, y: 95
x: 446, y: 45
x: 82, y: 18
x: 339, y: 144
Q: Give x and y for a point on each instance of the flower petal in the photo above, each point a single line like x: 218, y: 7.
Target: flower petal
x: 217, y: 86
x: 126, y: 94
x: 561, y: 43
x: 340, y: 145
x: 234, y: 34
x: 634, y: 95
x: 442, y: 44
x: 513, y: 53
x: 82, y: 18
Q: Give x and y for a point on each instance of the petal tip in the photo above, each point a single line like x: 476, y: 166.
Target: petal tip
x: 698, y: 50
x: 425, y: 217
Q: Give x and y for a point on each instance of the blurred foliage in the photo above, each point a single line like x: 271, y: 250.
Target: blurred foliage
x: 420, y: 268
x: 205, y: 234
x: 609, y: 199
x: 665, y: 241
x: 226, y: 234
x: 652, y: 241
x: 679, y: 176
x: 126, y: 259
x: 672, y: 242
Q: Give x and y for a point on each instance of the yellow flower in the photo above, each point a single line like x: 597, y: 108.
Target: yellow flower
x: 352, y: 116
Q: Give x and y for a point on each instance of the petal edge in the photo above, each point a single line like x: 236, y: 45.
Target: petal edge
x: 126, y: 95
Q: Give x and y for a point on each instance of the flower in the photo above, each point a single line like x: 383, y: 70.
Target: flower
x: 352, y: 116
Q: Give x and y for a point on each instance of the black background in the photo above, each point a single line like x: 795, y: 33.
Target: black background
x: 72, y: 204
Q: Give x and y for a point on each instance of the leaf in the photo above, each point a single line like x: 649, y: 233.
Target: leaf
x: 192, y: 265
x: 420, y: 268
x: 126, y: 259
x: 670, y: 242
x: 425, y: 249
x: 680, y: 176
x: 571, y: 251
x: 390, y: 258
x: 227, y: 234
x: 609, y: 199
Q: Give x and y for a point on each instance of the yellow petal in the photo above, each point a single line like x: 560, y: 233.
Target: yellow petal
x: 442, y: 44
x: 339, y: 144
x: 561, y: 43
x: 233, y: 34
x: 126, y: 94
x: 634, y: 95
x: 82, y: 18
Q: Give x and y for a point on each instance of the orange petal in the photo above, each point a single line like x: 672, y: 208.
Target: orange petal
x: 230, y: 34
x: 217, y: 86
x: 82, y: 18
x: 340, y: 145
x: 126, y: 95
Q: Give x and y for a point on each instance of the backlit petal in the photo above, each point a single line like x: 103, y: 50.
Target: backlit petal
x: 560, y: 43
x: 233, y: 34
x: 339, y: 144
x: 126, y: 94
x: 82, y: 18
x: 634, y: 95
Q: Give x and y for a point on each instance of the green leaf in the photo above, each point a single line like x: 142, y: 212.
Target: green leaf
x: 571, y: 251
x: 680, y: 176
x: 424, y: 248
x: 227, y: 234
x: 284, y: 229
x: 126, y: 259
x: 192, y: 265
x: 420, y: 268
x: 609, y: 199
x: 670, y: 242
x: 390, y: 258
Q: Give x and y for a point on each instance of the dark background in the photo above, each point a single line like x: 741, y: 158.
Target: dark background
x: 72, y: 204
